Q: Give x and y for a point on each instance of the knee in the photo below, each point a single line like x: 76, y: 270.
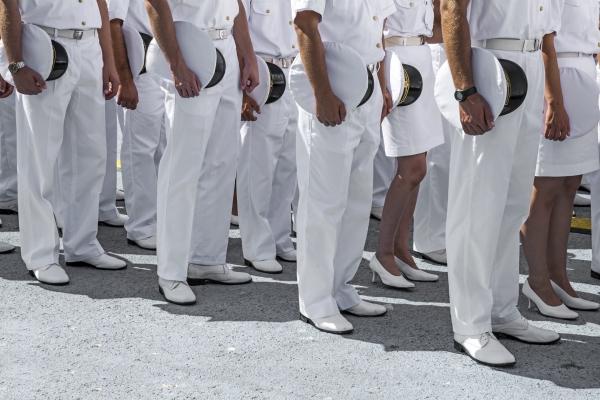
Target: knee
x: 414, y: 174
x: 571, y: 184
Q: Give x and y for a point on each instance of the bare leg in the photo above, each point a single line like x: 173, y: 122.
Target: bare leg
x: 560, y: 226
x: 402, y: 249
x: 411, y: 171
x: 234, y: 208
x: 535, y: 233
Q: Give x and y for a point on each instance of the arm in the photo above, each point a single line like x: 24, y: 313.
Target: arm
x: 109, y: 71
x: 330, y: 109
x: 475, y: 113
x: 6, y: 89
x: 127, y: 96
x: 27, y: 81
x: 437, y: 25
x: 186, y: 82
x: 557, y: 120
x: 387, y: 97
x: 245, y: 51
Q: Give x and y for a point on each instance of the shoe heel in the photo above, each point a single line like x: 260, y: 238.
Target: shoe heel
x: 458, y: 347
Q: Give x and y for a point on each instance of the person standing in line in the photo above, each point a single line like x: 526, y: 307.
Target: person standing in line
x: 197, y: 172
x: 492, y: 166
x: 266, y: 174
x: 7, y: 125
x: 562, y: 160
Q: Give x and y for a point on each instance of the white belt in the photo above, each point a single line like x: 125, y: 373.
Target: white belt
x: 218, y: 34
x: 284, y: 63
x: 523, y: 46
x: 76, y: 34
x: 404, y: 41
x: 566, y: 54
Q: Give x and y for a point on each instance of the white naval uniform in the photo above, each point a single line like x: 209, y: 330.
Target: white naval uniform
x: 335, y: 167
x: 108, y: 196
x: 266, y: 174
x: 197, y: 172
x: 144, y: 136
x: 491, y: 177
x: 8, y: 150
x: 69, y: 114
x: 578, y: 34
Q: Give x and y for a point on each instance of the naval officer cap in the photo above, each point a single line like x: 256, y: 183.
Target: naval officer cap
x: 404, y: 82
x: 580, y: 96
x: 502, y: 83
x: 135, y: 49
x: 350, y: 78
x: 272, y: 83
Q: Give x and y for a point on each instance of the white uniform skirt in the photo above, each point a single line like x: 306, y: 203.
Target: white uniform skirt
x: 416, y: 128
x: 574, y: 156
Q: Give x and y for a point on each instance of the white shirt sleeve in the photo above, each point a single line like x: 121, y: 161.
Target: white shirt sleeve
x: 118, y: 9
x: 317, y: 6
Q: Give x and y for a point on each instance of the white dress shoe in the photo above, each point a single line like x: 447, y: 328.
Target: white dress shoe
x: 335, y: 324
x: 582, y: 200
x: 221, y: 274
x: 235, y: 220
x: 521, y: 330
x: 485, y: 349
x: 560, y: 312
x: 52, y: 274
x: 147, y: 243
x: 576, y: 303
x: 6, y: 248
x: 288, y: 256
x: 366, y: 309
x: 267, y: 266
x: 436, y: 256
x: 103, y: 261
x: 11, y: 207
x: 415, y: 274
x: 176, y: 292
x: 117, y: 221
x: 386, y: 278
x: 119, y: 195
x: 377, y: 212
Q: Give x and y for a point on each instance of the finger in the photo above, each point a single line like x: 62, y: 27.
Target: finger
x: 342, y: 113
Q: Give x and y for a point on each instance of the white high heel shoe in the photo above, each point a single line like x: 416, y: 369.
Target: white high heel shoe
x: 415, y: 274
x: 575, y: 303
x: 561, y: 311
x: 386, y: 278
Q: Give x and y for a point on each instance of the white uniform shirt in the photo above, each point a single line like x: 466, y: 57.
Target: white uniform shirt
x: 132, y: 11
x: 579, y: 31
x: 413, y: 18
x: 61, y: 14
x: 514, y: 19
x: 355, y: 23
x: 272, y: 28
x: 206, y: 14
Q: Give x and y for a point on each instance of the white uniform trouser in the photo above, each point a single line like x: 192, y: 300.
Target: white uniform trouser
x: 8, y: 150
x: 594, y: 180
x: 108, y: 208
x: 143, y: 144
x: 335, y: 178
x: 64, y: 124
x: 197, y: 174
x: 491, y: 178
x: 384, y: 170
x: 266, y: 180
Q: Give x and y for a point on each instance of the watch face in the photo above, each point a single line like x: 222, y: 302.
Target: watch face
x: 459, y: 96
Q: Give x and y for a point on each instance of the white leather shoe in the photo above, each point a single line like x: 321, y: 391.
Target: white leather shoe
x: 120, y: 195
x: 366, y: 309
x: 521, y: 330
x: 485, y: 349
x: 335, y: 324
x: 103, y: 261
x: 288, y: 256
x: 116, y: 222
x: 266, y: 266
x: 576, y: 303
x: 176, y: 292
x: 560, y: 312
x: 147, y: 243
x: 582, y: 200
x: 436, y: 256
x: 386, y: 278
x: 11, y: 207
x: 52, y: 274
x: 235, y: 220
x: 221, y: 274
x: 415, y: 274
x: 377, y: 212
x: 6, y: 248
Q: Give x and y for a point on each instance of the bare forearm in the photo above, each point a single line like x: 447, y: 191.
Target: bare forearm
x: 553, y: 89
x: 241, y: 33
x: 381, y: 72
x: 120, y: 51
x: 10, y: 29
x: 455, y: 28
x: 312, y: 52
x: 163, y: 28
x: 437, y: 36
x: 104, y: 34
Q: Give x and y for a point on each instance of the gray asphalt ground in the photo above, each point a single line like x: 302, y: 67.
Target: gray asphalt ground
x: 110, y: 335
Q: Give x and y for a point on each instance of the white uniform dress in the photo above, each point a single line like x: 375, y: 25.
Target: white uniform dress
x: 197, y: 172
x: 144, y: 136
x: 68, y: 114
x: 578, y: 34
x: 266, y: 175
x: 8, y: 150
x: 491, y: 177
x: 335, y: 167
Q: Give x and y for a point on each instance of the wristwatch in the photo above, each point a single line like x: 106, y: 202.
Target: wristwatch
x: 462, y: 95
x: 15, y: 67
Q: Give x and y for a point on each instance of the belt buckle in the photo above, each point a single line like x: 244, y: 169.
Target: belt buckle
x: 77, y: 34
x: 222, y: 34
x: 286, y: 63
